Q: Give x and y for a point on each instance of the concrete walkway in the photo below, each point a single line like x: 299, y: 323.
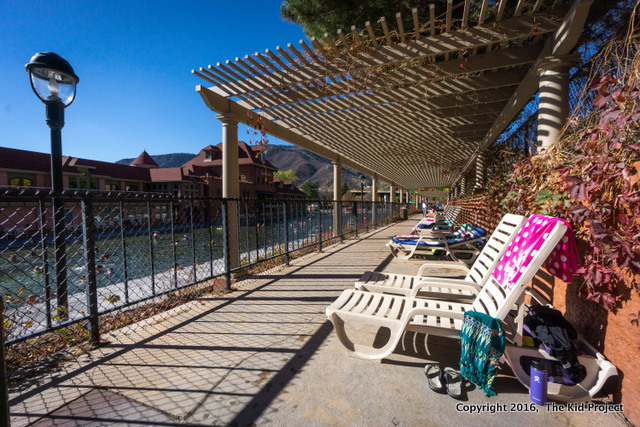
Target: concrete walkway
x: 266, y: 354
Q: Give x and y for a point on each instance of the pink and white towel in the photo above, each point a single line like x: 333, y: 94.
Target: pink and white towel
x: 562, y: 262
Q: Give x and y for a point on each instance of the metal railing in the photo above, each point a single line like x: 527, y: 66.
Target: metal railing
x: 124, y: 249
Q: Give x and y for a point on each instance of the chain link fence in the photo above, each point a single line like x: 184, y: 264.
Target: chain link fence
x: 114, y: 259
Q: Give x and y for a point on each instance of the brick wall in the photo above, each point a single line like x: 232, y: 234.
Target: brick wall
x: 476, y: 209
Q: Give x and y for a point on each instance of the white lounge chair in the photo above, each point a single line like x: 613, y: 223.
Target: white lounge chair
x: 452, y: 244
x: 444, y: 318
x: 448, y: 288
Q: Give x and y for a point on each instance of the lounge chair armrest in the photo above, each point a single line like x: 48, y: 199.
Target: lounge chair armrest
x: 435, y: 312
x: 457, y: 266
x: 444, y: 283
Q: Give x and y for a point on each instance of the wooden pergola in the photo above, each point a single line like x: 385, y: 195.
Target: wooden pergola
x: 416, y: 107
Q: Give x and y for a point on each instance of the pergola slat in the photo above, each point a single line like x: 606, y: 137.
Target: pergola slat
x: 431, y: 101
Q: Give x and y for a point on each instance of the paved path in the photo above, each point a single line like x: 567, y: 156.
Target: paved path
x: 266, y: 354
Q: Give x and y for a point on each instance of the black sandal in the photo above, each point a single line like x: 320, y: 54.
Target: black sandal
x: 435, y: 379
x: 453, y: 380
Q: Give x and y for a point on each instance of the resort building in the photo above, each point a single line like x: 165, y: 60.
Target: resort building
x: 200, y: 176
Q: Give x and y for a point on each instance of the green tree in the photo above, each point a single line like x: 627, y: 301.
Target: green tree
x: 311, y: 189
x: 287, y: 175
x: 327, y: 16
x: 344, y: 188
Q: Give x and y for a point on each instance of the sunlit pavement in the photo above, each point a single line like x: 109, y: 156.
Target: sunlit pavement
x: 266, y: 354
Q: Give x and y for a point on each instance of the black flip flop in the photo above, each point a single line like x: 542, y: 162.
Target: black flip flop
x: 434, y: 377
x: 453, y: 381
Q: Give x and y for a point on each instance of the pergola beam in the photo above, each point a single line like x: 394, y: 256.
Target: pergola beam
x: 429, y: 100
x: 562, y: 42
x: 222, y: 105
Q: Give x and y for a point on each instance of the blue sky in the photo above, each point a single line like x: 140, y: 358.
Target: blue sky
x: 134, y: 61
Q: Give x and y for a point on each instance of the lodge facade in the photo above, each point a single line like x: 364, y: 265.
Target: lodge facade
x: 200, y: 176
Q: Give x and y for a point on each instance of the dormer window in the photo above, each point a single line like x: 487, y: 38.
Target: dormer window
x: 208, y: 155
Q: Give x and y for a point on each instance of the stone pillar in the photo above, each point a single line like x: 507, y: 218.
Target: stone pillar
x: 480, y: 167
x: 337, y: 197
x: 401, y: 196
x: 392, y: 193
x: 553, y: 100
x: 463, y: 186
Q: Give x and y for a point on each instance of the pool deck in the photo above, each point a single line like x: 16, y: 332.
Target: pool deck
x: 265, y: 354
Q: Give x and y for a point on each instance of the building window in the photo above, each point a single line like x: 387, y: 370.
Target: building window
x: 21, y: 181
x: 208, y: 155
x: 131, y: 187
x: 192, y: 190
x: 81, y: 183
x: 157, y: 188
x: 112, y: 186
x: 176, y: 189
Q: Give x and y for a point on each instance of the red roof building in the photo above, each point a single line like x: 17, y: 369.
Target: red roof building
x: 200, y: 176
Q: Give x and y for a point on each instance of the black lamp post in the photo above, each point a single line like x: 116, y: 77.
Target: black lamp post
x: 362, y: 181
x: 54, y: 81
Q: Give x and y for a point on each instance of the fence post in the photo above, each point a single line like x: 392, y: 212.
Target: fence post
x: 4, y: 386
x: 368, y: 210
x: 355, y: 208
x: 193, y: 243
x: 319, y: 227
x: 153, y: 266
x: 60, y: 253
x: 90, y: 268
x: 123, y: 245
x: 173, y: 245
x: 286, y: 233
x: 45, y: 261
x: 207, y: 214
x: 225, y: 243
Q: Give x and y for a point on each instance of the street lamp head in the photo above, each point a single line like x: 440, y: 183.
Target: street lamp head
x: 362, y: 179
x: 52, y: 78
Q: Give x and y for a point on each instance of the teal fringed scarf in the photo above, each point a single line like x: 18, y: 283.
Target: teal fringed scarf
x: 482, y: 342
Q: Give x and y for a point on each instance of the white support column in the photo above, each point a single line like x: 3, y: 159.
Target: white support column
x: 401, y: 196
x: 230, y: 173
x: 480, y: 166
x: 553, y: 101
x: 230, y: 180
x: 374, y: 198
x: 337, y: 196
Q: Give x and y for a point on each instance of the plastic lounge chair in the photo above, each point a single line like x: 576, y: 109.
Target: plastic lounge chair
x: 461, y: 242
x: 448, y: 288
x: 443, y: 318
x: 437, y: 223
x: 441, y: 226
